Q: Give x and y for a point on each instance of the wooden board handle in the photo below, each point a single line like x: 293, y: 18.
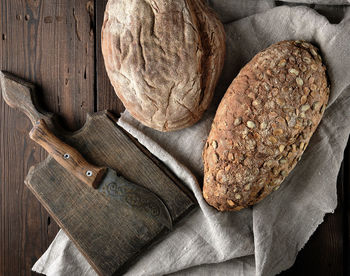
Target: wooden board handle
x: 20, y: 94
x: 67, y: 156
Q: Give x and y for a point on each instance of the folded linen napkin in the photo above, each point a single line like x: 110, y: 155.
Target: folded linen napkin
x: 265, y: 239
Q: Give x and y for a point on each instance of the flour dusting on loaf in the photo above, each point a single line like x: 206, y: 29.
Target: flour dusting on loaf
x: 264, y: 124
x: 163, y: 58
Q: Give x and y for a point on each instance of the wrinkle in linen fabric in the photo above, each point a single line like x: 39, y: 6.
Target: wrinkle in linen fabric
x: 213, y: 243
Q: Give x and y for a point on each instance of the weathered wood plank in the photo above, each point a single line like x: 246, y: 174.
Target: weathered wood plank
x: 112, y: 235
x: 106, y: 97
x: 116, y: 222
x: 49, y: 43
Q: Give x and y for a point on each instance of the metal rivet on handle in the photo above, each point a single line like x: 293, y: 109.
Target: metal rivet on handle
x: 66, y: 156
x: 89, y: 173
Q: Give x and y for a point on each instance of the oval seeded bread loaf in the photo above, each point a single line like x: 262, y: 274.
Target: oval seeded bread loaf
x: 263, y: 124
x: 163, y: 58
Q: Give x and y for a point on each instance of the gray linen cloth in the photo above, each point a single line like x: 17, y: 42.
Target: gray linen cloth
x: 265, y: 239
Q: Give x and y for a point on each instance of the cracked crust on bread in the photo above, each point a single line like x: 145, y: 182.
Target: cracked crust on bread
x: 163, y: 58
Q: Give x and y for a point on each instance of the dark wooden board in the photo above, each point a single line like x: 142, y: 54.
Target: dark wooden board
x: 111, y: 225
x: 42, y: 52
x: 38, y: 41
x: 108, y: 235
x: 105, y: 97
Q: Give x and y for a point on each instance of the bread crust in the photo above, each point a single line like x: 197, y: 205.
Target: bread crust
x: 163, y: 58
x: 263, y: 124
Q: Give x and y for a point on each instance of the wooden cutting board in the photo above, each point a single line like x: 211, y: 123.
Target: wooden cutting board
x: 99, y: 232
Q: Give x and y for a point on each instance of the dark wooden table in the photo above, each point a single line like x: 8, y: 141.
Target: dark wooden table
x: 56, y: 44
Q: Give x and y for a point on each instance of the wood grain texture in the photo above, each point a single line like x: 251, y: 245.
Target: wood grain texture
x: 38, y: 41
x: 18, y: 94
x: 111, y: 236
x: 105, y: 97
x: 129, y: 218
x: 67, y: 156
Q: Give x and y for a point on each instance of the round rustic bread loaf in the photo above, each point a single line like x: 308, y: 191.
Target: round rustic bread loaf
x: 163, y: 58
x: 263, y: 124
